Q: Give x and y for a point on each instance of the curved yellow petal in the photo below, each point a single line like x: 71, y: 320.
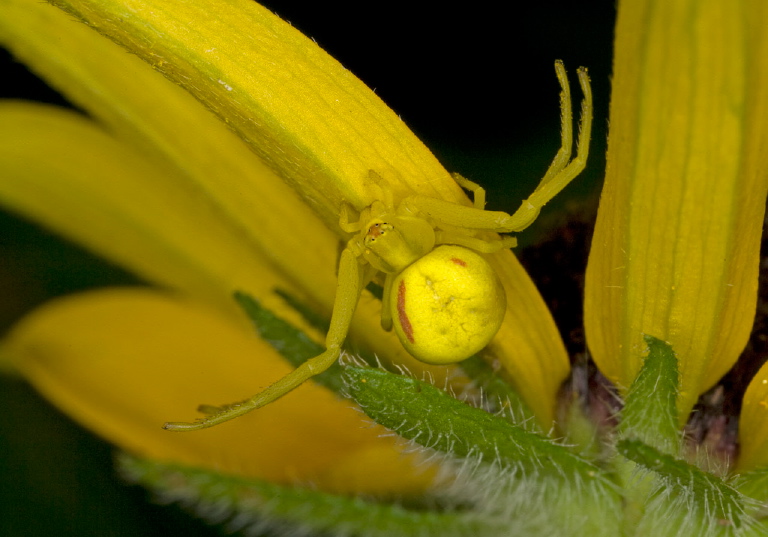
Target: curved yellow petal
x: 313, y: 121
x: 753, y: 424
x: 315, y: 125
x: 123, y: 361
x: 528, y: 344
x: 675, y: 252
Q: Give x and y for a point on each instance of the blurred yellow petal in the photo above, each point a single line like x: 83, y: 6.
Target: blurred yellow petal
x: 315, y: 125
x: 62, y: 170
x: 122, y: 360
x: 168, y: 126
x: 675, y: 252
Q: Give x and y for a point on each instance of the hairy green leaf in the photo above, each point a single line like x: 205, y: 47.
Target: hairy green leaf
x: 754, y: 484
x: 707, y: 493
x: 499, y: 396
x: 420, y: 412
x: 255, y: 506
x: 650, y: 411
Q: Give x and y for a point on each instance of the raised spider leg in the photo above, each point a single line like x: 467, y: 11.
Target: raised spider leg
x: 349, y: 287
x: 557, y: 177
x: 566, y: 126
x: 551, y: 186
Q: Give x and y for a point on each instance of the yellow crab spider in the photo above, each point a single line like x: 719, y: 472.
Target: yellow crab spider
x: 442, y: 297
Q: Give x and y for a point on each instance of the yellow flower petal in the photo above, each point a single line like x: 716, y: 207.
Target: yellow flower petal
x: 54, y: 165
x: 297, y: 107
x: 753, y: 424
x: 316, y: 125
x: 168, y: 126
x: 675, y: 253
x: 528, y: 344
x: 202, y: 155
x: 68, y: 174
x: 123, y: 360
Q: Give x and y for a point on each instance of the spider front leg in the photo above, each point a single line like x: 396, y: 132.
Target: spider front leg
x: 349, y: 287
x: 560, y: 173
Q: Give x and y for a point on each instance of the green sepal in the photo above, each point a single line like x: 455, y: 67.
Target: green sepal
x: 420, y: 412
x: 290, y: 342
x: 701, y: 494
x: 650, y: 409
x: 255, y: 506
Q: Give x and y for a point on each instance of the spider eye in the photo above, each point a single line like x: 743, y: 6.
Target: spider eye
x: 376, y: 230
x: 448, y: 305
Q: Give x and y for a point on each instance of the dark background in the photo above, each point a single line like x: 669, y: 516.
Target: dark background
x: 475, y: 82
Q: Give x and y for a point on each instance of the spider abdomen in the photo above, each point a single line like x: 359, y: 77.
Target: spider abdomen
x: 447, y: 305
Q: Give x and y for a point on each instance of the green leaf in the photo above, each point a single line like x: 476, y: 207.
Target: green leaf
x: 313, y: 318
x: 499, y: 397
x: 650, y: 410
x: 256, y: 506
x: 420, y: 412
x: 754, y: 484
x: 700, y: 494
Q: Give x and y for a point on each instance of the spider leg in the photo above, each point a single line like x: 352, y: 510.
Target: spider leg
x: 386, y: 303
x: 484, y: 246
x: 557, y: 177
x: 560, y: 173
x: 387, y: 198
x: 381, y: 205
x: 349, y: 287
x: 345, y: 224
x: 478, y: 192
x: 566, y: 126
x: 458, y: 216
